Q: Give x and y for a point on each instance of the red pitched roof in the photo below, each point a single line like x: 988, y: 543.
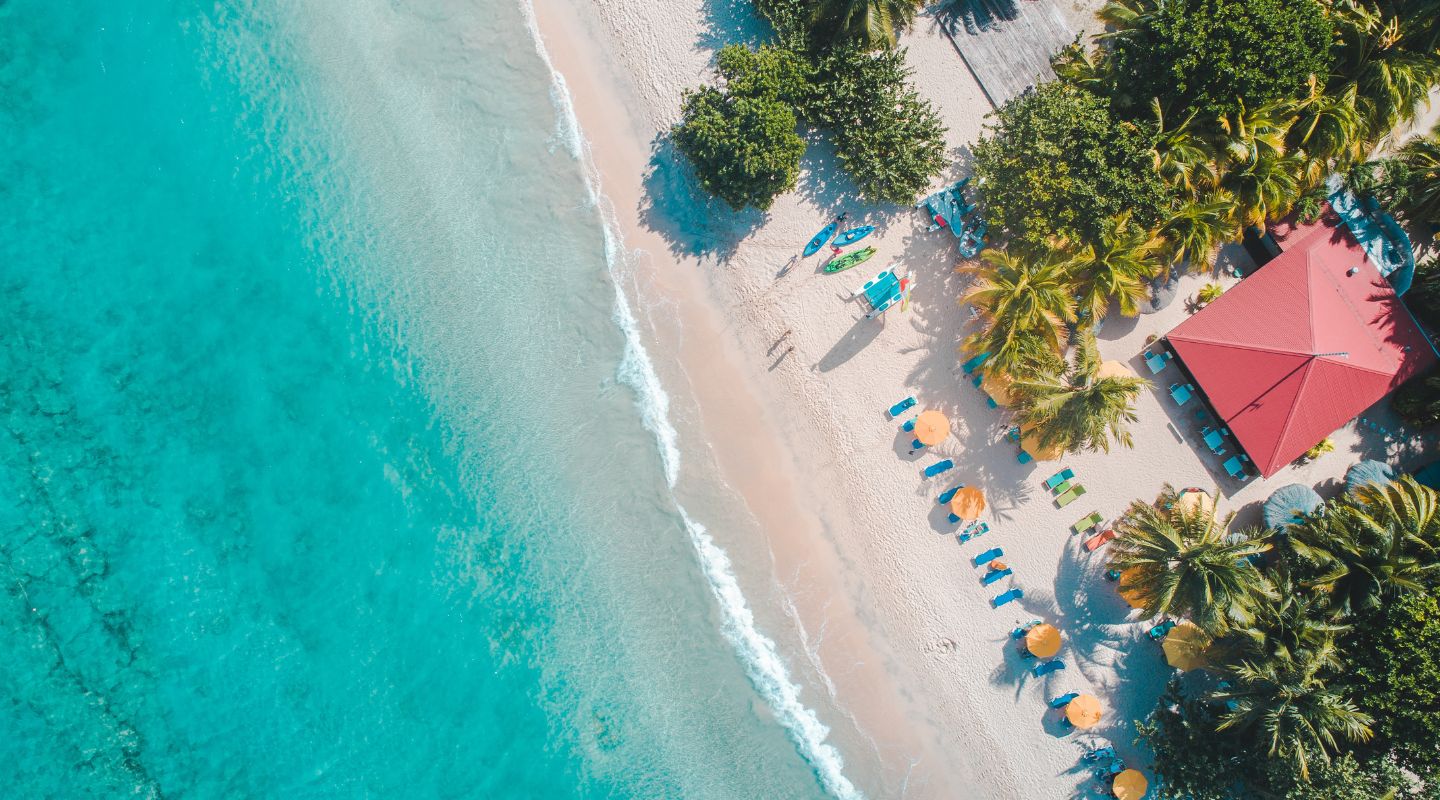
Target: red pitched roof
x: 1267, y: 353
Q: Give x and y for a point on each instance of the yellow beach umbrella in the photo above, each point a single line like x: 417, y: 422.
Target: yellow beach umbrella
x: 1114, y: 369
x: 1185, y: 646
x: 1131, y: 594
x: 931, y: 428
x: 1084, y: 711
x: 1043, y: 641
x: 968, y: 503
x: 1130, y: 785
x: 997, y: 385
x: 1191, y: 499
x: 1030, y: 443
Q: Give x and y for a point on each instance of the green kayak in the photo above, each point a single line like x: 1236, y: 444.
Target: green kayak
x: 849, y: 260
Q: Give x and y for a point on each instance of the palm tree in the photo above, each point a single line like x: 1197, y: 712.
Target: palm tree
x: 1024, y: 299
x: 1288, y: 701
x: 1248, y: 134
x: 1080, y: 409
x: 1330, y: 131
x: 871, y: 24
x: 1266, y: 188
x: 1077, y: 64
x: 1197, y: 228
x: 1390, y: 61
x: 1179, y: 561
x: 1293, y: 626
x: 1182, y: 156
x: 1117, y: 267
x: 1384, y: 540
x: 1413, y: 179
x: 1124, y: 17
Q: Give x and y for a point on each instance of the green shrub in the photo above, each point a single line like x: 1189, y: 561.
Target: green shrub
x: 1057, y: 162
x: 1201, y: 55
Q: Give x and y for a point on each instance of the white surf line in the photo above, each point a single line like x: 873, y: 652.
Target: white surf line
x: 763, y: 665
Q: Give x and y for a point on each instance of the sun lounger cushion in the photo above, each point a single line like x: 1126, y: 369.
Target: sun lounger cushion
x: 949, y: 494
x: 1061, y: 478
x: 1005, y: 597
x: 1070, y: 496
x: 988, y: 556
x: 938, y: 467
x: 995, y: 575
x: 900, y: 407
x: 1048, y: 667
x: 1087, y: 523
x: 1063, y: 700
x: 1095, y: 542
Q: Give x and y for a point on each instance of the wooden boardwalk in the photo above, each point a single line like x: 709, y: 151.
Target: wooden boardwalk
x: 1006, y: 43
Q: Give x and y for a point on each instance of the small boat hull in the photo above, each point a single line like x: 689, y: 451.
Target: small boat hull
x: 849, y: 260
x: 821, y: 238
x: 853, y: 235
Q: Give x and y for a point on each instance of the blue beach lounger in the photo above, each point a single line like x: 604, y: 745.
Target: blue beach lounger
x: 938, y: 467
x: 1023, y: 458
x: 1063, y: 700
x: 1159, y: 631
x: 1054, y: 482
x: 916, y: 444
x: 1041, y: 670
x: 901, y: 407
x: 949, y: 494
x: 974, y: 363
x: 988, y: 556
x: 995, y: 575
x: 1019, y: 633
x: 1003, y: 598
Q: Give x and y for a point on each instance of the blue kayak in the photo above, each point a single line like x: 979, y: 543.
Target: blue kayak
x: 821, y: 238
x: 853, y: 235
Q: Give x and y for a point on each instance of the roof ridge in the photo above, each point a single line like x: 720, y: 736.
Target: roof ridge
x: 1284, y: 433
x: 1238, y: 346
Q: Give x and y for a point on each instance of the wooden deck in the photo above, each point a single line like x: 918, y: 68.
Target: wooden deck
x: 1007, y: 44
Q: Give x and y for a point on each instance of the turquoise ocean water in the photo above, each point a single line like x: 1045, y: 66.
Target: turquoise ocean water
x: 330, y: 463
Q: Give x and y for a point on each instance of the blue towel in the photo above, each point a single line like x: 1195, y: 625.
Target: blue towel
x: 973, y: 532
x: 995, y: 575
x: 938, y: 467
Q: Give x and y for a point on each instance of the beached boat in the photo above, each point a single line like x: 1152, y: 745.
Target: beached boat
x: 849, y: 260
x: 853, y: 235
x: 822, y: 237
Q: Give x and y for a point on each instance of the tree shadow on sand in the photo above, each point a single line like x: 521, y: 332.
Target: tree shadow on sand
x: 692, y: 223
x: 733, y: 22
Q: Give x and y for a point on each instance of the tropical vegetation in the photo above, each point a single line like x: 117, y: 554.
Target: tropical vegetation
x: 1325, y: 643
x: 1083, y: 408
x: 870, y: 24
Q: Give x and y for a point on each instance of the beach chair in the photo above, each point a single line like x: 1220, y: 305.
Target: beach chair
x: 1181, y: 394
x: 1157, y: 361
x: 1041, y: 670
x: 1069, y: 496
x: 974, y: 363
x: 1063, y: 700
x: 901, y: 407
x: 995, y: 575
x: 909, y: 424
x: 1159, y: 631
x: 974, y: 532
x: 1006, y: 597
x: 1019, y: 633
x: 1112, y: 575
x: 1062, y: 477
x: 949, y: 494
x: 916, y: 444
x: 988, y: 556
x: 1236, y: 468
x: 938, y: 467
x: 1023, y: 458
x: 1099, y: 754
x: 1096, y: 542
x: 1087, y: 523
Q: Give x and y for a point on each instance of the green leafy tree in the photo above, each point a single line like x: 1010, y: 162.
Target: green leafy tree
x: 889, y: 139
x: 1024, y: 299
x: 1056, y: 163
x: 1080, y: 409
x: 1377, y: 544
x: 741, y: 139
x: 1194, y: 761
x: 1203, y: 55
x: 1179, y: 561
x: 1296, y: 716
x: 1394, y: 676
x: 870, y: 24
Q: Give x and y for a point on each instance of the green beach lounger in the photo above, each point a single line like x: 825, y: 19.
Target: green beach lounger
x: 1069, y: 496
x: 1061, y: 478
x: 1088, y: 522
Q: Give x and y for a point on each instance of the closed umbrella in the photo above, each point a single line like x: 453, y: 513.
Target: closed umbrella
x: 1043, y: 641
x: 1367, y: 472
x: 1289, y: 504
x: 968, y: 503
x: 1130, y: 785
x: 1114, y: 369
x: 1084, y: 711
x: 931, y: 428
x: 1185, y: 647
x: 1191, y: 499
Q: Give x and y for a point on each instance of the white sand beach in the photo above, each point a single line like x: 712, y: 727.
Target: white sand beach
x: 921, y: 664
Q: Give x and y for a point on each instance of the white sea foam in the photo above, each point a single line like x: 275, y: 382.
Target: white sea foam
x: 762, y: 661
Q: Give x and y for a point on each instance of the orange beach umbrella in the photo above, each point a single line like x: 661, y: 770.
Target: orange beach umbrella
x: 931, y: 428
x: 1185, y: 646
x: 1130, y: 785
x: 1191, y: 499
x: 1043, y: 641
x: 968, y: 503
x: 1030, y: 443
x: 1130, y: 593
x: 1084, y: 711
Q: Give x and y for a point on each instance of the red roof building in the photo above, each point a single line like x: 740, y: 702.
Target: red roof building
x: 1302, y: 346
